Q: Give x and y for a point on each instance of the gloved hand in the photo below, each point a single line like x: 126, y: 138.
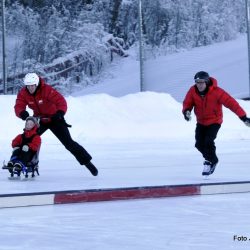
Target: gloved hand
x: 246, y: 120
x: 58, y: 116
x: 25, y: 148
x: 24, y: 114
x: 187, y: 115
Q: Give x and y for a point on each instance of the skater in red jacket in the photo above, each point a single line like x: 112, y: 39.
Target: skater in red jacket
x: 50, y: 107
x: 26, y: 147
x: 206, y: 98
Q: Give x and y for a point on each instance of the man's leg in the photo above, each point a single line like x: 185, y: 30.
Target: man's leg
x: 200, y: 138
x: 83, y: 157
x: 210, y: 148
x: 42, y: 128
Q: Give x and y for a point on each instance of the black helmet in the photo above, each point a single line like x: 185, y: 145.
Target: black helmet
x: 202, y: 75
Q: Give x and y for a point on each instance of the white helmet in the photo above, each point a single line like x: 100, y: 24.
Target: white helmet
x: 31, y: 79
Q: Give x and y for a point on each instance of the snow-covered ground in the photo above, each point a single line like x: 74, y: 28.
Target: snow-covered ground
x: 139, y: 139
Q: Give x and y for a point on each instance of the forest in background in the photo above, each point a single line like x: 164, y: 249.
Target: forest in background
x: 71, y: 42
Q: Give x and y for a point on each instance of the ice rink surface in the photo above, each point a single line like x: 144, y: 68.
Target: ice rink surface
x: 133, y: 164
x: 180, y: 223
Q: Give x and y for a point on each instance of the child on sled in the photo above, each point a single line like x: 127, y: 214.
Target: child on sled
x: 26, y: 148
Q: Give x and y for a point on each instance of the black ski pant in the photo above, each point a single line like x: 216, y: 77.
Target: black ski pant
x: 61, y: 131
x: 204, y: 141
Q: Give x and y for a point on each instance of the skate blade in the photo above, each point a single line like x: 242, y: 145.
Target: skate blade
x: 28, y: 179
x: 206, y: 177
x: 15, y: 178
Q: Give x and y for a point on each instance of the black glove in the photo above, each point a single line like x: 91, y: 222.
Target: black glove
x: 187, y: 115
x: 246, y: 120
x: 24, y: 114
x: 58, y: 116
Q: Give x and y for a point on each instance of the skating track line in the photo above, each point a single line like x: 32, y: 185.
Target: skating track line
x: 112, y: 194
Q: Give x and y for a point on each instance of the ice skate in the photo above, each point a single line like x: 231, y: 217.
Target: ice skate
x: 9, y: 166
x: 17, y: 168
x: 213, y: 166
x: 90, y: 166
x: 209, y: 168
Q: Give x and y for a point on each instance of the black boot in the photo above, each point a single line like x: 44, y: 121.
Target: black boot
x: 90, y: 166
x: 10, y: 166
x: 17, y: 168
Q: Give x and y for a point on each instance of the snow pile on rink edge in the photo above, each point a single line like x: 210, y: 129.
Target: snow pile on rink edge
x: 144, y: 115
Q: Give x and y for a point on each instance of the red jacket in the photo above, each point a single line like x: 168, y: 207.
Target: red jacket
x: 208, y: 109
x: 35, y: 142
x: 45, y: 102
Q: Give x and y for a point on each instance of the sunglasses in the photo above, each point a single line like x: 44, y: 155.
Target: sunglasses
x: 200, y: 81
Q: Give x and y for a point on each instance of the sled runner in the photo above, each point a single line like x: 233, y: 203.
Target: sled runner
x: 17, y: 168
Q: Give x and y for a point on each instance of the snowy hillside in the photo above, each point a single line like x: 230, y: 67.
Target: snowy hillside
x: 173, y: 74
